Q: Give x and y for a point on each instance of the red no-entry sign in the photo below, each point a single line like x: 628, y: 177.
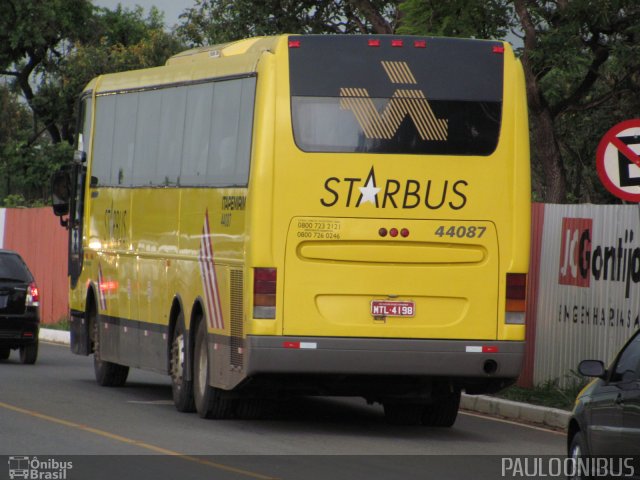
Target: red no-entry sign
x: 618, y: 160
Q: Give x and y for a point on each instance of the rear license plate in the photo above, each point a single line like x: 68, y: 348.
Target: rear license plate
x: 389, y: 308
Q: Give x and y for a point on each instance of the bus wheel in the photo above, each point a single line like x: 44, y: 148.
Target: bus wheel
x: 210, y: 401
x: 108, y: 374
x: 5, y: 352
x: 181, y: 388
x: 443, y: 413
x: 403, y: 413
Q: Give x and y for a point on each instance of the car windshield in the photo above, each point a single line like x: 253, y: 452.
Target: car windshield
x: 12, y: 268
x: 629, y: 361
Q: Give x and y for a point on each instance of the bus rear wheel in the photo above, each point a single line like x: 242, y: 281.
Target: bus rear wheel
x: 181, y: 388
x: 443, y: 412
x: 108, y: 374
x: 210, y: 401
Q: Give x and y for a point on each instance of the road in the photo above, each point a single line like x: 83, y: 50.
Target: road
x: 55, y: 410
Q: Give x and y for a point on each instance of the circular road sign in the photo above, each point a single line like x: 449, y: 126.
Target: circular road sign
x: 618, y: 160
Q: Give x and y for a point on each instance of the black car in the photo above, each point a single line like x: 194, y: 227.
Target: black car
x: 19, y: 308
x: 606, y: 417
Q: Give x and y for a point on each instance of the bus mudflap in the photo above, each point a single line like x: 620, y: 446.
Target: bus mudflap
x: 79, y: 333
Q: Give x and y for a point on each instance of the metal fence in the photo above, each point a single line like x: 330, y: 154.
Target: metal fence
x: 588, y: 297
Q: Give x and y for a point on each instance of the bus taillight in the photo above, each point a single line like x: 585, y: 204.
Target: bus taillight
x: 516, y: 298
x: 264, y: 293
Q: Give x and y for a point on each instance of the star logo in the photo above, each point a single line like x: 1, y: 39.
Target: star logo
x: 369, y: 193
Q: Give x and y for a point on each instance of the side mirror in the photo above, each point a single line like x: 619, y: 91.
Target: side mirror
x: 592, y: 368
x: 79, y: 156
x: 61, y: 193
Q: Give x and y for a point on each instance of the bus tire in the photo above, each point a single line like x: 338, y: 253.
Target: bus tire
x: 443, y: 412
x: 108, y: 374
x: 210, y: 402
x: 29, y: 353
x: 181, y: 388
x: 403, y: 413
x: 5, y: 352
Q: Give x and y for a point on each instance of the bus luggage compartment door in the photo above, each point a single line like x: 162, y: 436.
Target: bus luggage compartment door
x: 390, y: 278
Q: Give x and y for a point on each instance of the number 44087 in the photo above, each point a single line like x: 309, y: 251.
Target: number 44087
x: 460, y: 231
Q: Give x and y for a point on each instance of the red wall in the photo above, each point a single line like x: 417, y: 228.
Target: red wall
x: 36, y: 234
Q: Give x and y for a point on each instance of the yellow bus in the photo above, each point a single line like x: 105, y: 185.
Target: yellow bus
x: 305, y: 215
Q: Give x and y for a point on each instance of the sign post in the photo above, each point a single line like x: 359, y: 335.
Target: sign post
x: 618, y: 160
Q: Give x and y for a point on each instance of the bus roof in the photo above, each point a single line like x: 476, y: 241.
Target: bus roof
x: 230, y: 59
x: 227, y: 59
x: 223, y: 50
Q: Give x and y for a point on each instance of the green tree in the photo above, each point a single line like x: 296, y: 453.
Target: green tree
x: 31, y: 31
x: 15, y: 121
x: 456, y: 18
x: 121, y: 40
x: 218, y: 21
x: 52, y: 48
x: 582, y: 66
x: 25, y: 164
x: 49, y: 50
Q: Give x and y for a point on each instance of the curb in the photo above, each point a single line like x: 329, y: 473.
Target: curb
x: 55, y: 336
x: 522, y: 412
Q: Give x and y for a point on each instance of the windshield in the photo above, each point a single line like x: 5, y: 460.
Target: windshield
x: 427, y: 96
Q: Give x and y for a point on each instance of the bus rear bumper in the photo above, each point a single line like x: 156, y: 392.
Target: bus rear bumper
x: 375, y: 356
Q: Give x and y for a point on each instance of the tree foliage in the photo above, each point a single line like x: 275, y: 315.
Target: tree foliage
x: 582, y: 66
x: 25, y: 166
x: 456, y: 18
x: 121, y: 40
x: 211, y: 22
x: 32, y: 31
x: 49, y: 50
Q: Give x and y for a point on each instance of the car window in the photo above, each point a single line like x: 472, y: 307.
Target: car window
x: 628, y: 361
x: 13, y: 268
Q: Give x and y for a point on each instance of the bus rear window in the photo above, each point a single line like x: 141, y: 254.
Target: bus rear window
x: 348, y: 96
